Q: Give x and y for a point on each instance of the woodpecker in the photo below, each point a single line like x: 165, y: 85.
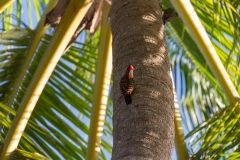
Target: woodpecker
x: 126, y: 84
x: 168, y: 15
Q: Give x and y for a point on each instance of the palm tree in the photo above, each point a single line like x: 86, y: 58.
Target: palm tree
x: 144, y: 129
x: 59, y: 125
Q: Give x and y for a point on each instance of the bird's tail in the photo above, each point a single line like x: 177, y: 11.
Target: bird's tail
x: 164, y: 20
x: 128, y: 98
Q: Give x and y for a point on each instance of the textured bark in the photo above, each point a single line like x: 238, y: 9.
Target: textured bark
x: 144, y: 129
x: 91, y: 20
x: 55, y: 15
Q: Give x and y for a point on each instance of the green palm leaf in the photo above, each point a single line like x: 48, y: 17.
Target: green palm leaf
x: 200, y: 94
x: 63, y: 110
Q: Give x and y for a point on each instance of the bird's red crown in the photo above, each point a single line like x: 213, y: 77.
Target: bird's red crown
x: 130, y: 68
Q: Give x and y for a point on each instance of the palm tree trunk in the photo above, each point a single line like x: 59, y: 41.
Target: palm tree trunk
x: 145, y: 128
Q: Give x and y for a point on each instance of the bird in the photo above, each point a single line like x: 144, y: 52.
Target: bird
x: 127, y: 84
x: 168, y: 15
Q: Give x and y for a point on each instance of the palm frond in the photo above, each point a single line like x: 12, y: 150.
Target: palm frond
x: 194, y: 81
x: 200, y: 94
x: 221, y: 133
x: 63, y: 110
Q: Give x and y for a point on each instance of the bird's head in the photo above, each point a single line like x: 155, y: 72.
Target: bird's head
x: 130, y: 68
x: 175, y: 14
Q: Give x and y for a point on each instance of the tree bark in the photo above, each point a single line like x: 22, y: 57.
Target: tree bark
x: 145, y: 128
